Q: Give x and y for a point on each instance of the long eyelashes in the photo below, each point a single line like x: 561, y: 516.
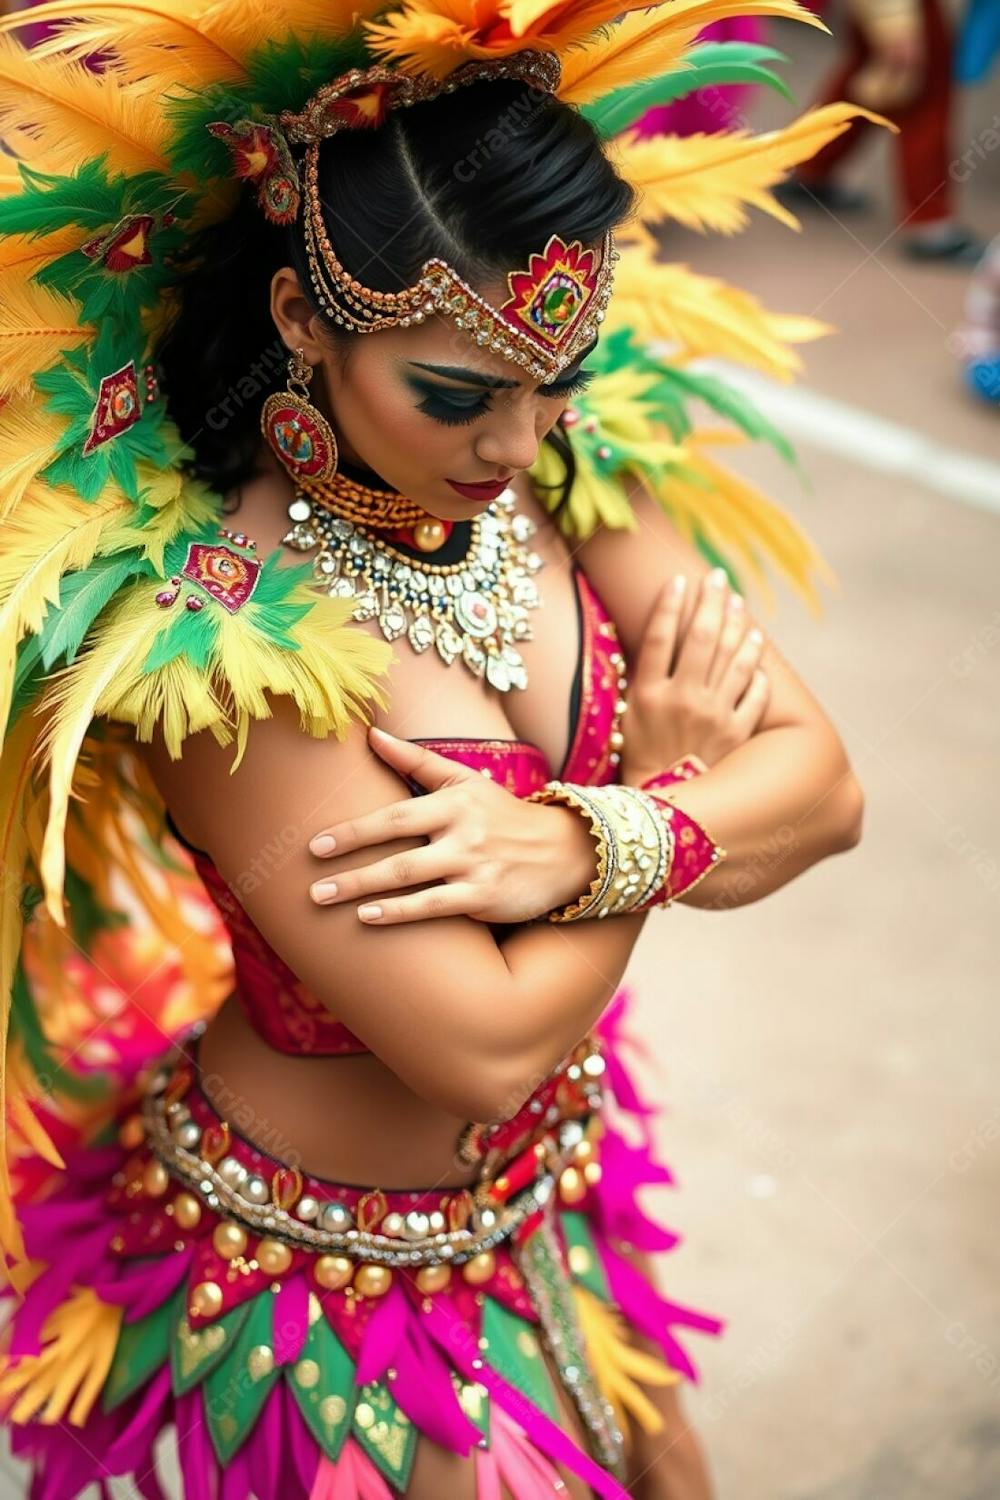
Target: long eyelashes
x: 454, y: 414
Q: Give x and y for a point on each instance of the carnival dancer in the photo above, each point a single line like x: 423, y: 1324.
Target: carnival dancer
x: 335, y: 469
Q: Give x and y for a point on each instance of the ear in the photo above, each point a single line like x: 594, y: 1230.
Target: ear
x: 293, y: 316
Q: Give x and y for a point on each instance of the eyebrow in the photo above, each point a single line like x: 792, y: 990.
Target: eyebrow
x: 494, y: 382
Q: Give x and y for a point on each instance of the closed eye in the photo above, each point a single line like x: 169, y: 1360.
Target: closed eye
x: 562, y: 388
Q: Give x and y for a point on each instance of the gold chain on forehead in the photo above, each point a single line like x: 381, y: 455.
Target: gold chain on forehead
x: 556, y: 304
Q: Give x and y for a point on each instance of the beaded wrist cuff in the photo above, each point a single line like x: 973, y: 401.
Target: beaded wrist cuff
x: 696, y: 853
x: 634, y: 843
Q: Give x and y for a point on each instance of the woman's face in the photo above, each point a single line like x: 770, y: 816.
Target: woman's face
x: 424, y: 405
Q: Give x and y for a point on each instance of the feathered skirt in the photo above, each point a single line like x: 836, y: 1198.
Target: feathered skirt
x: 301, y: 1337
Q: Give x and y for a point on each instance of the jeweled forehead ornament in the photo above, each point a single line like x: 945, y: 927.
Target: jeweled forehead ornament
x: 556, y: 304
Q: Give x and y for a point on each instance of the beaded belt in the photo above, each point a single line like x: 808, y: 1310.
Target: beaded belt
x: 522, y: 1162
x: 471, y: 1223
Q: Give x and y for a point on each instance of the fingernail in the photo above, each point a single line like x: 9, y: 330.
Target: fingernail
x: 323, y: 843
x: 736, y: 601
x: 756, y: 636
x: 717, y: 577
x: 680, y: 583
x: 324, y: 890
x: 369, y: 913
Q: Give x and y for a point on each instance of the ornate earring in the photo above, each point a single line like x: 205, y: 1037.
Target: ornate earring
x: 299, y: 434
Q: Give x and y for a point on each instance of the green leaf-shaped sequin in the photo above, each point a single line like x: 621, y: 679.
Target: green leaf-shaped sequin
x: 194, y: 1352
x: 584, y: 1261
x: 141, y: 1349
x: 237, y: 1387
x: 322, y: 1381
x: 511, y: 1348
x: 385, y: 1433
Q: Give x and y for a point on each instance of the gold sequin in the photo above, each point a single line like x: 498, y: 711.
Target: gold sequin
x: 307, y: 1373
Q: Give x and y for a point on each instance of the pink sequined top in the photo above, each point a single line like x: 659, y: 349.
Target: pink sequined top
x: 279, y: 1007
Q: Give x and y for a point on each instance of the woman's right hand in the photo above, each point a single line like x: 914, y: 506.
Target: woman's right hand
x: 697, y: 689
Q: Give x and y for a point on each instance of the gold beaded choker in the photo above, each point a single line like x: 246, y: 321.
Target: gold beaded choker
x: 381, y: 509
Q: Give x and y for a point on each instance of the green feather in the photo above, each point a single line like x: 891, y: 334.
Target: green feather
x: 88, y: 198
x: 83, y: 596
x: 192, y: 150
x: 283, y: 75
x: 728, y: 402
x: 712, y: 65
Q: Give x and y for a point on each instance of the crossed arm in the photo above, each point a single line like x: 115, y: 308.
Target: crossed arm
x: 782, y: 799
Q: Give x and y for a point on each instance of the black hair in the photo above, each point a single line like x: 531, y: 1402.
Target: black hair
x: 481, y: 177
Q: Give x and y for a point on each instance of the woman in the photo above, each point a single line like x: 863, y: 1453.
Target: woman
x: 367, y: 1232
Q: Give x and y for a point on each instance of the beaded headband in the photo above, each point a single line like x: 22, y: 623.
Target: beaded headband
x: 556, y: 304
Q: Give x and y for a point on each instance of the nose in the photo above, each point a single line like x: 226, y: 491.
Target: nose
x: 511, y: 441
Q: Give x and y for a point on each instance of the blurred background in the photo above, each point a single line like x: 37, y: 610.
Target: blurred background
x: 828, y: 1058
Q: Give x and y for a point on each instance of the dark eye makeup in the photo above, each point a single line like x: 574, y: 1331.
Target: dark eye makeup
x: 452, y: 408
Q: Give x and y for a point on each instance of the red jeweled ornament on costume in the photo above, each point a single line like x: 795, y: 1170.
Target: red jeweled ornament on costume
x: 229, y: 578
x: 117, y: 407
x: 362, y: 108
x: 261, y: 156
x: 125, y: 247
x: 550, y: 295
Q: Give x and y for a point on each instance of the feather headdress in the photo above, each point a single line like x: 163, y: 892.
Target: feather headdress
x: 106, y: 169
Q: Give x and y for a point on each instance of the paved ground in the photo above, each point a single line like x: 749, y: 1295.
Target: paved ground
x: 828, y: 1056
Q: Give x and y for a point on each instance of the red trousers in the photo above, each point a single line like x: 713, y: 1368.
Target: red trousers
x: 922, y: 146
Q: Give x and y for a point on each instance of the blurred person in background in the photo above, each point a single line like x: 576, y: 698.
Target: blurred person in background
x: 899, y: 62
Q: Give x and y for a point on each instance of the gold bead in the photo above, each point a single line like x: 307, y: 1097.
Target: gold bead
x: 187, y: 1210
x: 229, y: 1240
x: 429, y: 535
x: 480, y: 1268
x: 206, y: 1300
x: 333, y: 1271
x: 572, y: 1187
x: 433, y: 1278
x: 273, y: 1257
x: 155, y: 1179
x: 132, y: 1132
x: 583, y: 1150
x: 592, y: 1173
x: 373, y: 1281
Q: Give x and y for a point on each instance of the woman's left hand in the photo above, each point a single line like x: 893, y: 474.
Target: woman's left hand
x: 489, y: 855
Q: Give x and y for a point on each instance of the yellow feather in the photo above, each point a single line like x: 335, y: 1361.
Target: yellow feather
x: 26, y: 254
x: 78, y: 1345
x: 36, y: 325
x: 184, y: 42
x: 10, y: 177
x: 64, y: 114
x: 15, y: 772
x: 41, y: 542
x: 701, y: 315
x: 618, y: 1365
x: 28, y: 439
x: 738, y: 520
x: 705, y: 182
x: 648, y: 43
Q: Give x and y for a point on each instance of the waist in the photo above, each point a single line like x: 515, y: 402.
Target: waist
x: 351, y: 1119
x: 227, y: 1180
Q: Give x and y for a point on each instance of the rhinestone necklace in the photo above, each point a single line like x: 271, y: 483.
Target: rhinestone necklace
x: 475, y: 609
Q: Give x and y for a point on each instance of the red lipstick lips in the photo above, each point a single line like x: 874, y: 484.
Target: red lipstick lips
x: 488, y: 491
